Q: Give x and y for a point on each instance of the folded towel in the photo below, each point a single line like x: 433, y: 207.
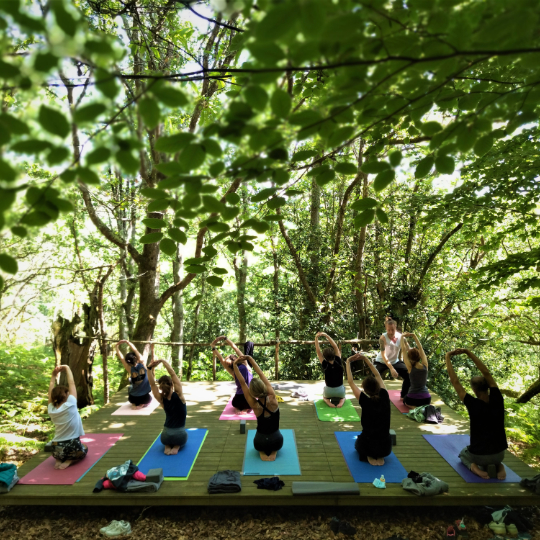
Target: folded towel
x: 225, y: 482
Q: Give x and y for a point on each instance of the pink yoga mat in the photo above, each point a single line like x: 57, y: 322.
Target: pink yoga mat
x: 126, y: 410
x: 45, y: 473
x: 230, y: 414
x: 395, y: 396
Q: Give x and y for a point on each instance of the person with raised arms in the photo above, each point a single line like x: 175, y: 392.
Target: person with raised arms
x: 139, y: 393
x: 168, y: 391
x: 262, y: 399
x: 330, y: 359
x: 388, y: 357
x: 62, y: 408
x: 486, y: 415
x: 239, y: 401
x: 374, y: 443
x: 417, y: 365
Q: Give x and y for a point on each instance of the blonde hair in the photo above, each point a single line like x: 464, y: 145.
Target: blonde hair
x: 257, y: 388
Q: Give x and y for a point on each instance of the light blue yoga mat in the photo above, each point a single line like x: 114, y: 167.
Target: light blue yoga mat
x: 362, y: 471
x: 286, y: 463
x: 175, y: 467
x: 449, y: 447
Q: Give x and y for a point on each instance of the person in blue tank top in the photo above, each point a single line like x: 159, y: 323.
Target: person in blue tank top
x: 168, y: 391
x: 139, y: 391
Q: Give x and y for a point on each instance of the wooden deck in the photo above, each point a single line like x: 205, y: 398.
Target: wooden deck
x: 320, y: 459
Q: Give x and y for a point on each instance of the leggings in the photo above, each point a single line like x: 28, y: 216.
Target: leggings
x: 268, y: 443
x: 174, y: 437
x: 417, y: 402
x: 378, y: 448
x: 334, y: 392
x: 71, y: 450
x: 140, y: 400
x: 240, y: 402
x: 468, y: 458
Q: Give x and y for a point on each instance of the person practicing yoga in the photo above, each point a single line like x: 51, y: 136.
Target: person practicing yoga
x: 174, y: 435
x: 330, y: 359
x: 139, y: 394
x: 485, y: 454
x: 262, y: 399
x: 67, y: 445
x: 388, y: 357
x: 374, y: 443
x: 239, y: 401
x: 417, y: 365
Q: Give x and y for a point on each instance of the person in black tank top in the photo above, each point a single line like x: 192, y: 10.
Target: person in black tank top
x: 332, y: 366
x: 171, y: 398
x: 374, y: 443
x: 262, y: 399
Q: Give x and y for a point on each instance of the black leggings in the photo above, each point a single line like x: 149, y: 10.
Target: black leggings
x: 414, y: 402
x: 268, y: 443
x: 378, y: 448
x: 240, y: 402
x: 140, y: 400
x: 402, y: 371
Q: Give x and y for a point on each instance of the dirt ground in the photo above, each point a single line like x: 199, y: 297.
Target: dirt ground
x: 177, y: 523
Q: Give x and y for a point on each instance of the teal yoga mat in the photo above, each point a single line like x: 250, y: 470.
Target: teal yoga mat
x: 286, y: 463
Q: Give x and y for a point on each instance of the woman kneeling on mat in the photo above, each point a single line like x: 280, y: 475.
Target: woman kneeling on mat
x: 67, y: 445
x: 239, y: 401
x: 262, y: 399
x: 174, y: 435
x: 330, y: 360
x: 417, y: 366
x: 374, y: 443
x: 139, y: 392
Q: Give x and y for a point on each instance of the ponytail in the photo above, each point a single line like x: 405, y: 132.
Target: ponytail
x: 257, y: 388
x: 371, y: 387
x: 165, y: 384
x: 59, y: 394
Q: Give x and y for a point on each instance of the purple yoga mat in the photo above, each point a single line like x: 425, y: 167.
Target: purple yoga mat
x: 449, y: 447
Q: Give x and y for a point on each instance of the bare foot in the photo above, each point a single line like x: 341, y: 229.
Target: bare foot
x: 264, y: 457
x: 57, y: 463
x: 167, y: 450
x: 380, y: 461
x: 272, y: 456
x: 174, y: 450
x: 340, y: 404
x: 65, y: 465
x: 134, y: 407
x: 372, y: 461
x: 501, y: 472
x: 479, y: 472
x: 329, y: 403
x: 140, y: 407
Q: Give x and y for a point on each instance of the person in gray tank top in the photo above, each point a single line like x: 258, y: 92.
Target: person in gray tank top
x: 417, y: 365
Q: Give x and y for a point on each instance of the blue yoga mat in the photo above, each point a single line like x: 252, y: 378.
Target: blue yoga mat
x: 286, y: 464
x: 175, y: 467
x: 362, y: 471
x: 449, y: 447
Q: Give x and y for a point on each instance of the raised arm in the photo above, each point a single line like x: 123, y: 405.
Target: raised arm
x: 452, y: 374
x: 481, y: 367
x: 176, y: 381
x: 356, y: 391
x: 152, y: 380
x: 337, y: 352
x: 404, y: 350
x: 374, y: 371
x: 420, y: 350
x: 245, y: 388
x: 318, y: 347
x: 258, y: 371
x: 70, y: 380
x: 224, y: 364
x: 121, y: 356
x: 137, y: 353
x: 382, y: 343
x: 52, y: 383
x: 234, y: 347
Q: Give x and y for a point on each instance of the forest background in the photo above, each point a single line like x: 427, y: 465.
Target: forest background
x: 174, y: 170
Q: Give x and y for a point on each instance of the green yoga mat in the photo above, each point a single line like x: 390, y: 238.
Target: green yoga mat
x: 347, y: 413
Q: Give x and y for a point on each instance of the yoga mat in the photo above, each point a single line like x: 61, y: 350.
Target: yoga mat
x: 286, y: 464
x: 347, y: 413
x: 176, y: 467
x: 230, y: 414
x: 449, y: 447
x: 324, y: 488
x: 361, y: 471
x: 45, y: 473
x: 126, y: 410
x: 395, y: 397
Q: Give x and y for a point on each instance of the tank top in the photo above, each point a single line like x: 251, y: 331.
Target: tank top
x: 418, y: 378
x: 270, y: 424
x: 247, y: 377
x: 391, y: 349
x: 175, y: 412
x: 139, y: 380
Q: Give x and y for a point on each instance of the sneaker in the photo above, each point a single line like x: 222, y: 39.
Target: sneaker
x: 451, y: 532
x: 497, y: 528
x: 116, y: 528
x: 511, y: 530
x: 346, y: 528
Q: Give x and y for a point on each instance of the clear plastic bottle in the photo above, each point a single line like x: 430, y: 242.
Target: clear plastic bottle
x: 383, y: 481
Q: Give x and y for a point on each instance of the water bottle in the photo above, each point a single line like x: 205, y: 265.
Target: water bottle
x: 383, y: 481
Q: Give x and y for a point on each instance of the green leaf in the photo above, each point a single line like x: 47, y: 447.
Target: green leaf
x: 68, y: 176
x: 57, y: 155
x: 53, y: 121
x: 483, y: 145
x: 394, y: 158
x: 444, y: 164
x: 267, y: 53
x: 31, y: 146
x: 169, y: 96
x: 88, y: 113
x: 229, y: 212
x: 364, y: 204
x: 256, y: 96
x: 212, y: 204
x: 279, y: 20
x: 325, y: 177
x: 381, y: 215
x: 154, y: 223
x: 45, y: 61
x: 281, y: 103
x: 365, y: 218
x: 278, y: 154
x: 8, y: 71
x: 179, y: 222
x: 154, y: 193
x: 19, y: 231
x: 258, y: 226
x: 129, y: 163
x: 280, y: 177
x: 383, y: 180
x: 167, y: 246
x: 273, y: 217
x: 212, y: 147
x: 8, y: 264
x: 177, y: 235
x: 293, y: 192
x: 220, y: 271
x: 216, y: 168
x: 466, y: 139
x: 346, y: 168
x: 276, y: 202
x: 151, y: 238
x: 158, y: 205
x: 424, y: 167
x: 64, y: 19
x: 106, y: 84
x: 98, y: 155
x: 87, y: 176
x: 374, y: 167
x: 233, y: 247
x: 214, y: 281
x: 430, y: 128
x: 195, y: 269
x: 150, y: 113
x: 7, y: 172
x: 218, y: 227
x: 192, y: 156
x: 36, y: 219
x: 263, y: 194
x: 232, y: 198
x: 13, y: 125
x: 303, y: 155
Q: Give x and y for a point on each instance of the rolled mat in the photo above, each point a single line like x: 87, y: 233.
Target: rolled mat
x: 177, y: 467
x: 126, y: 410
x: 449, y: 447
x: 229, y: 413
x: 45, y: 473
x: 324, y: 488
x: 347, y: 413
x: 286, y: 463
x: 362, y: 471
x: 395, y: 398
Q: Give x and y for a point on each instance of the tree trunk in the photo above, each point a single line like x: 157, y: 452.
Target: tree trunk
x: 177, y: 334
x: 277, y: 318
x: 195, y: 327
x: 532, y: 391
x: 241, y: 280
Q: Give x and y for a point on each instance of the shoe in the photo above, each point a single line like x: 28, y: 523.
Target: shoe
x: 512, y: 530
x: 451, y: 532
x: 346, y: 528
x: 497, y: 528
x: 334, y: 525
x: 116, y: 528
